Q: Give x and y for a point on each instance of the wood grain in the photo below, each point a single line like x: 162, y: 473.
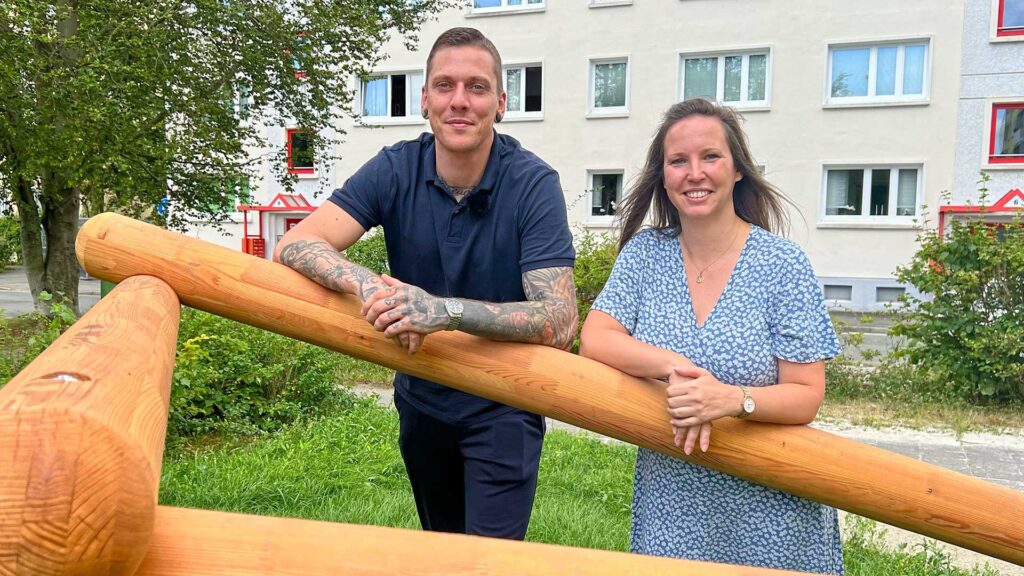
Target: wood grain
x: 203, y: 543
x: 862, y: 479
x: 81, y: 438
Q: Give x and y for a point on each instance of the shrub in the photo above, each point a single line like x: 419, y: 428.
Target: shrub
x: 22, y: 339
x: 595, y: 255
x: 10, y: 241
x: 232, y: 377
x: 370, y: 252
x: 969, y: 326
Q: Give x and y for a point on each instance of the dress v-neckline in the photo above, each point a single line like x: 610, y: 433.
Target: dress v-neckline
x: 725, y: 290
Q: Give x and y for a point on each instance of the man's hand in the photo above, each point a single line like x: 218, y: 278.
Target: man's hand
x: 405, y: 312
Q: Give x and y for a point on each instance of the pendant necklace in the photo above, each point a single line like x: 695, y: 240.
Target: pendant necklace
x: 701, y: 271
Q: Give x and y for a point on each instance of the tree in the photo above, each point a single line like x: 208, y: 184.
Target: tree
x: 121, y: 104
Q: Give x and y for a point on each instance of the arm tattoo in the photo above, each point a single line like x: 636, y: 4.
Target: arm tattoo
x: 320, y: 262
x: 549, y: 316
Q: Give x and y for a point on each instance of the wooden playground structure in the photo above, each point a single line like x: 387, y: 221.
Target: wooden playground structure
x: 82, y: 431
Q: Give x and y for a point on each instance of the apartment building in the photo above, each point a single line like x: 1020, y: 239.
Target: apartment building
x: 851, y: 109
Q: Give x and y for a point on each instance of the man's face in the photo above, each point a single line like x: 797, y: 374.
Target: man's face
x: 461, y: 96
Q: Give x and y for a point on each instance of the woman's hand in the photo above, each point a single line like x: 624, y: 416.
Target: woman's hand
x: 695, y: 399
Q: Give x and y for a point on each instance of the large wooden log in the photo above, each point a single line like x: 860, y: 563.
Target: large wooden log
x: 82, y: 435
x: 203, y: 543
x: 868, y: 481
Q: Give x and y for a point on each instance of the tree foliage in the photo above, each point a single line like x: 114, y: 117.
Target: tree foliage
x: 119, y: 104
x: 969, y: 326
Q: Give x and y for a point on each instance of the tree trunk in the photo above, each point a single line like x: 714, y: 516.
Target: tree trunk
x: 32, y: 250
x: 60, y: 224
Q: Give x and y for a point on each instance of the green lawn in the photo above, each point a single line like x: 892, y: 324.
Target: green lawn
x: 347, y: 468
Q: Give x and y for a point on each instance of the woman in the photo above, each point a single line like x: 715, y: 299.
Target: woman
x: 711, y: 300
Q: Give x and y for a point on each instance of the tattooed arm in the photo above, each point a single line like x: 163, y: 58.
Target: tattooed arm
x: 548, y: 316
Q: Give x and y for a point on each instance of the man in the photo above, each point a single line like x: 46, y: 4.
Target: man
x: 477, y: 241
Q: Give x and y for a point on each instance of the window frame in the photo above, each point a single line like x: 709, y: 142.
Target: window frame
x: 608, y: 3
x: 607, y: 111
x: 505, y: 8
x: 721, y: 54
x: 863, y: 220
x: 302, y: 171
x: 589, y: 220
x: 997, y: 33
x: 989, y: 159
x: 390, y: 120
x: 524, y: 116
x: 870, y: 100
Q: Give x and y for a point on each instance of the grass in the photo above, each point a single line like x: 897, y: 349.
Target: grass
x: 347, y: 468
x: 957, y: 417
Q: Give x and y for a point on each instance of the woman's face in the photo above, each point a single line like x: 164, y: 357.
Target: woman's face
x: 699, y: 169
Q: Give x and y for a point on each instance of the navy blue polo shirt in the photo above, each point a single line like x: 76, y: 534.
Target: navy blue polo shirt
x: 514, y: 222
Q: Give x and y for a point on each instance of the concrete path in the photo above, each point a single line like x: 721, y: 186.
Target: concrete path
x: 15, y: 298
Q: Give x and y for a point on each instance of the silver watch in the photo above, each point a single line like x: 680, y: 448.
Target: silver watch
x: 454, y: 308
x: 747, y: 406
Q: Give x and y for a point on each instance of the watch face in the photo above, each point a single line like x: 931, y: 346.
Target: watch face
x: 748, y: 405
x: 453, y: 306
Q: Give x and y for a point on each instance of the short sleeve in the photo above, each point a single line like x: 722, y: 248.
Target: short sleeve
x: 621, y: 296
x: 361, y: 196
x: 801, y: 329
x: 545, y: 240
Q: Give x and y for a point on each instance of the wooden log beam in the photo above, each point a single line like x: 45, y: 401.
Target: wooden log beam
x: 864, y: 480
x: 204, y: 543
x: 82, y: 436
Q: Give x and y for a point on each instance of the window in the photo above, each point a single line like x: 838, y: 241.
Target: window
x: 609, y: 87
x: 1010, y: 18
x: 605, y: 189
x: 842, y: 292
x: 739, y: 80
x: 387, y: 97
x: 485, y: 6
x: 884, y: 294
x: 524, y: 87
x: 878, y: 74
x: 878, y: 194
x: 1006, y: 135
x: 300, y: 151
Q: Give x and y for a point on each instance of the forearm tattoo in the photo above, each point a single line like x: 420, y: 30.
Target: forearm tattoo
x: 548, y: 317
x: 320, y: 262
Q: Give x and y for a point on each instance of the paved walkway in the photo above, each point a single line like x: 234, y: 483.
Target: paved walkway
x: 15, y: 298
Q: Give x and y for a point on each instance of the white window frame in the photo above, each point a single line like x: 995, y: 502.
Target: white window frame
x: 865, y: 219
x: 609, y: 111
x: 506, y: 8
x: 604, y: 3
x: 994, y: 32
x: 515, y: 115
x: 897, y: 99
x: 722, y: 54
x: 589, y: 220
x: 987, y: 122
x: 410, y: 98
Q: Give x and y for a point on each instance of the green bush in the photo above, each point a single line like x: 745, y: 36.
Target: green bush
x: 10, y: 241
x: 370, y: 252
x: 22, y: 339
x: 595, y: 256
x: 232, y: 377
x: 969, y: 326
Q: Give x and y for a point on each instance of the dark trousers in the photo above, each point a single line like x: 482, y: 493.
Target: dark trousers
x: 474, y: 479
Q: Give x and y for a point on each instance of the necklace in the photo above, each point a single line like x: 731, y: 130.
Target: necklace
x: 701, y: 271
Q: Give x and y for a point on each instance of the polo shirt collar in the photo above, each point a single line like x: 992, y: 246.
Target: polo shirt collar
x: 490, y: 177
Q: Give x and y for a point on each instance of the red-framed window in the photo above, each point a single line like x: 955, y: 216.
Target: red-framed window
x: 1006, y: 140
x: 1010, y: 19
x: 300, y: 151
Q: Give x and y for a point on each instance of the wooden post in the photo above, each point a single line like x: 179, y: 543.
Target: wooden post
x: 82, y: 435
x: 203, y: 543
x: 868, y: 481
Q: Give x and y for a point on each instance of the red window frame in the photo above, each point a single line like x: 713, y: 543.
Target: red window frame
x: 992, y: 158
x: 300, y: 169
x: 999, y: 24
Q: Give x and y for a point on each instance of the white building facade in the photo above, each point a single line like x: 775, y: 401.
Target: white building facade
x: 851, y: 109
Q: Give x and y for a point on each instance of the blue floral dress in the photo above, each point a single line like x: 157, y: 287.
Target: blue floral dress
x: 771, y: 308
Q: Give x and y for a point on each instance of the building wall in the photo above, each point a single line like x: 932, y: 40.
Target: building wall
x: 992, y: 71
x: 794, y: 138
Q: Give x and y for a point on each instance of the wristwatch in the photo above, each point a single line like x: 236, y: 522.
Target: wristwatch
x: 454, y: 309
x: 747, y: 406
